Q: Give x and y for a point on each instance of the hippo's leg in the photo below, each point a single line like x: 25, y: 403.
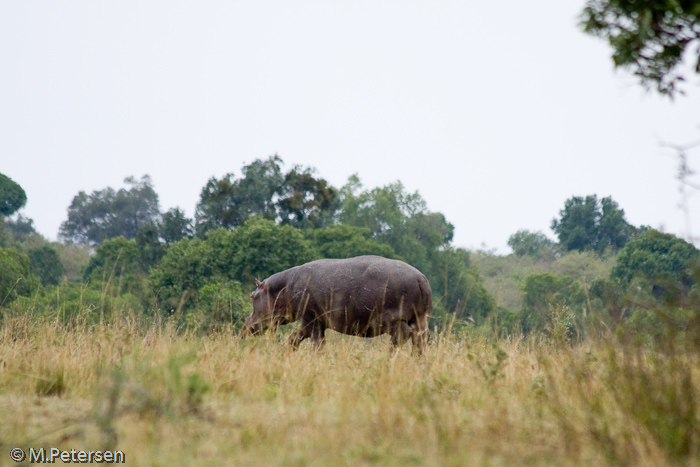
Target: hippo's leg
x: 318, y: 338
x: 315, y: 331
x: 420, y: 333
x: 297, y: 337
x: 400, y: 332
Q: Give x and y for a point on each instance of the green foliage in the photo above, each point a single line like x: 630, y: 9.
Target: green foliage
x: 107, y: 213
x: 229, y: 202
x: 251, y: 228
x: 655, y: 390
x: 16, y: 278
x: 297, y: 198
x: 587, y: 224
x: 175, y: 226
x: 46, y: 264
x: 183, y: 270
x: 117, y: 268
x: 523, y: 242
x: 263, y: 248
x: 220, y: 304
x: 21, y: 227
x: 647, y: 36
x: 12, y: 196
x: 398, y: 219
x: 5, y: 236
x: 504, y: 276
x: 74, y: 259
x: 73, y: 302
x: 544, y: 294
x: 422, y: 239
x: 306, y: 201
x: 148, y: 242
x: 347, y: 241
x: 257, y: 249
x: 661, y: 261
x: 457, y: 287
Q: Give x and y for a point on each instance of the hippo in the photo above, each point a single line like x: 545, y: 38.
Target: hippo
x: 363, y: 296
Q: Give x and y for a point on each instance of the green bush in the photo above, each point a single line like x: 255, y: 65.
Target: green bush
x: 663, y: 263
x: 16, y: 278
x: 544, y: 296
x: 71, y: 301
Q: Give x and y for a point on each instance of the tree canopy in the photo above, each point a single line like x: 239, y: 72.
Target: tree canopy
x: 174, y: 226
x: 228, y: 202
x: 660, y: 260
x: 46, y: 264
x: 589, y: 224
x: 296, y: 198
x: 649, y: 37
x: 306, y: 201
x: 523, y: 242
x: 12, y: 196
x: 255, y: 250
x: 347, y: 241
x: 16, y: 278
x: 251, y: 227
x: 108, y: 213
x: 402, y: 221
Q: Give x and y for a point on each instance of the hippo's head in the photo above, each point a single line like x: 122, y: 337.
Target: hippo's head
x: 269, y: 309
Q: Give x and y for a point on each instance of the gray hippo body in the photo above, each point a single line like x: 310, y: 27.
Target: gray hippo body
x: 362, y: 296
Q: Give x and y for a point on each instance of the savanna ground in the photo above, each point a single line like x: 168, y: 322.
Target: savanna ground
x: 173, y: 398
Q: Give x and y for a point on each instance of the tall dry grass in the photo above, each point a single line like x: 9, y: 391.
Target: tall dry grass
x: 168, y: 398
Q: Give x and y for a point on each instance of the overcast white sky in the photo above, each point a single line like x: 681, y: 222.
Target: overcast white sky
x: 496, y: 112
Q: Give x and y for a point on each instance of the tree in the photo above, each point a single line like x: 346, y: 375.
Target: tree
x: 457, y: 287
x: 306, y: 201
x: 46, y: 264
x: 108, y: 213
x: 12, y: 196
x: 184, y: 269
x: 175, y: 226
x: 21, y: 227
x: 296, y: 198
x: 148, y: 243
x: 647, y: 36
x: 397, y: 218
x: 117, y: 269
x: 229, y: 202
x: 15, y: 230
x: 523, y: 242
x: 255, y: 250
x: 543, y: 294
x: 423, y: 239
x: 262, y: 248
x: 16, y: 277
x: 347, y: 241
x: 116, y: 259
x: 586, y: 224
x: 665, y: 263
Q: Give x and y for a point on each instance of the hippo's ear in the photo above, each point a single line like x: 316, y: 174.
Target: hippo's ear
x: 258, y: 283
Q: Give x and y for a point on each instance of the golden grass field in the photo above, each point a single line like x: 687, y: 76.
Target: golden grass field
x: 167, y: 398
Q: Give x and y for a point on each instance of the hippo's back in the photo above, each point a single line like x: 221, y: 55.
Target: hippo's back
x: 360, y: 292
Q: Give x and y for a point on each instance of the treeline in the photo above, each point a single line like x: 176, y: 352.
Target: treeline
x: 201, y: 271
x: 119, y: 251
x: 602, y: 272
